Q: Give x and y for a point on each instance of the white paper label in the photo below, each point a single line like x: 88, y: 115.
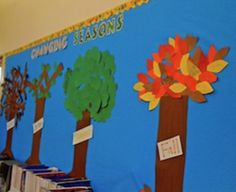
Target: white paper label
x: 10, y: 124
x: 170, y: 148
x: 83, y: 135
x: 38, y: 125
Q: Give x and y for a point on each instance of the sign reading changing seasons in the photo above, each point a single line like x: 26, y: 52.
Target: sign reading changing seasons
x: 83, y: 35
x: 102, y: 29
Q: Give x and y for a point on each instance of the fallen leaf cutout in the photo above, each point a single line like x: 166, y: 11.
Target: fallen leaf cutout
x: 193, y: 70
x: 156, y: 57
x: 204, y: 87
x: 222, y: 53
x: 196, y: 56
x: 208, y: 76
x: 171, y: 42
x: 143, y: 78
x: 197, y: 96
x: 184, y: 64
x: 177, y: 87
x: 211, y: 53
x: 156, y: 69
x: 153, y: 104
x: 138, y: 86
x: 191, y: 41
x: 147, y: 96
x: 217, y: 66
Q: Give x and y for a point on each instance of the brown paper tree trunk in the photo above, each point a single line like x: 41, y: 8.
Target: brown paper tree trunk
x: 7, y: 152
x: 172, y: 122
x: 80, y: 150
x: 35, y: 150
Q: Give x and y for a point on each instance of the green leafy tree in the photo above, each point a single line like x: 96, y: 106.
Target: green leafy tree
x: 90, y: 91
x: 40, y: 89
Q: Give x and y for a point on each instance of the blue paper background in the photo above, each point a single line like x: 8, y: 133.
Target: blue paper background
x: 121, y: 156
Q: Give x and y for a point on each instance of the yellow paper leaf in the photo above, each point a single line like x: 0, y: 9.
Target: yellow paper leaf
x: 138, y: 86
x: 147, y: 96
x: 156, y: 69
x: 153, y: 104
x: 171, y: 41
x: 217, y: 66
x: 193, y: 70
x: 184, y: 64
x: 204, y: 87
x: 177, y: 87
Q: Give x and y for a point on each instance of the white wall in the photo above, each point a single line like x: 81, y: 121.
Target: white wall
x: 23, y: 21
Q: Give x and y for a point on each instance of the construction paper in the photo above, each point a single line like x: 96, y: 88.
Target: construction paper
x: 83, y: 135
x: 204, y: 87
x: 38, y: 125
x: 217, y: 66
x: 11, y: 124
x: 170, y: 148
x: 221, y: 53
x: 177, y: 87
x: 153, y: 103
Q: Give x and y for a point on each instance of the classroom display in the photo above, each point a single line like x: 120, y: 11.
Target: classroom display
x: 139, y: 98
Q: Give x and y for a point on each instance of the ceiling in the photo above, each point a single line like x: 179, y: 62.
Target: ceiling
x: 24, y: 21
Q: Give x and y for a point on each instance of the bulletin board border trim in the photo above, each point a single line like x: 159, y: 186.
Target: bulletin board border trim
x: 100, y: 17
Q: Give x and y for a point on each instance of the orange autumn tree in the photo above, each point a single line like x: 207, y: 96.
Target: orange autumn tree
x: 177, y: 71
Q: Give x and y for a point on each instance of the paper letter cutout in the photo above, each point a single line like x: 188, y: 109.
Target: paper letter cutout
x: 83, y: 135
x: 170, y: 148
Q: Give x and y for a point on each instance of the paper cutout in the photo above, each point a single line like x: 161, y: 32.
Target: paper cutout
x: 175, y: 72
x: 13, y: 103
x: 204, y: 87
x: 139, y: 86
x: 177, y: 87
x: 11, y: 124
x: 153, y: 104
x: 83, y: 135
x: 217, y: 66
x: 183, y: 71
x: 147, y: 96
x: 40, y: 89
x: 90, y: 90
x: 38, y: 125
x: 170, y: 148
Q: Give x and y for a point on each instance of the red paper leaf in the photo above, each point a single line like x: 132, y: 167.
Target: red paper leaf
x: 203, y: 62
x: 208, y: 76
x: 176, y: 59
x: 181, y: 45
x: 211, y: 53
x: 165, y: 50
x: 156, y: 57
x: 187, y: 80
x: 156, y: 86
x: 151, y: 74
x: 161, y: 91
x: 149, y: 64
x: 143, y: 78
x: 170, y: 70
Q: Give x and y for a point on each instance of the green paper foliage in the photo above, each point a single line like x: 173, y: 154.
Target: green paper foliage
x: 91, y: 86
